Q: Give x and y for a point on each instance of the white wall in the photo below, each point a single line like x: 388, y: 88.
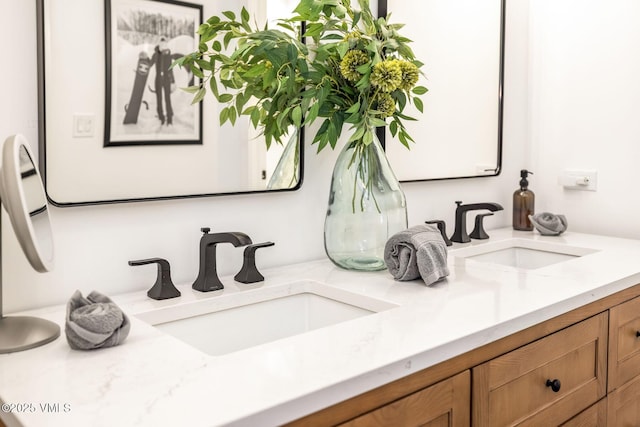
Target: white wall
x: 585, y: 110
x: 93, y: 244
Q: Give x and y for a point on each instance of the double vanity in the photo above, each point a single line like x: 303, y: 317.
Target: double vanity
x: 527, y: 330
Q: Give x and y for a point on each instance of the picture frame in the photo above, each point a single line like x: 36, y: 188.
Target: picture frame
x: 144, y: 103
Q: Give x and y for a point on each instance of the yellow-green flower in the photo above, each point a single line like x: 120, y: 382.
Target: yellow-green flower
x: 386, y: 75
x: 353, y: 37
x: 410, y: 75
x: 349, y: 64
x: 386, y: 104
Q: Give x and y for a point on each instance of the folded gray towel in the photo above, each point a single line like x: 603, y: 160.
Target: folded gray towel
x: 94, y: 322
x: 418, y: 251
x: 549, y: 224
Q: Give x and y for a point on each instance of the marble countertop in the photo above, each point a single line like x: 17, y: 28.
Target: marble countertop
x: 154, y: 379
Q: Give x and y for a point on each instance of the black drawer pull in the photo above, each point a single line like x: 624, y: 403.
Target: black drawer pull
x: 554, y: 384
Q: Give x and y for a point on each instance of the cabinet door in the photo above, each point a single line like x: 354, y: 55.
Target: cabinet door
x: 624, y: 405
x: 624, y: 343
x: 594, y: 416
x: 518, y: 388
x: 445, y: 404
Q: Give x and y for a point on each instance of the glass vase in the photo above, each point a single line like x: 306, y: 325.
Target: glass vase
x: 366, y: 207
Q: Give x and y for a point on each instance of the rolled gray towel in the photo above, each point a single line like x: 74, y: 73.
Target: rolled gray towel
x: 94, y: 322
x: 418, y: 251
x: 549, y: 224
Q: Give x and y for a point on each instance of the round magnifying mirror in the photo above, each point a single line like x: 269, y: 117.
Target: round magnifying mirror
x: 25, y: 200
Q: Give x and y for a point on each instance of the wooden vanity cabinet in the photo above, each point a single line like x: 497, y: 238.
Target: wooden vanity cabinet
x: 624, y: 343
x: 593, y: 416
x: 624, y: 364
x: 544, y: 383
x: 594, y: 352
x: 445, y: 404
x: 624, y: 405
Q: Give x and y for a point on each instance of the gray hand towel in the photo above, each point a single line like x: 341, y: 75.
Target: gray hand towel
x: 549, y: 224
x: 94, y: 322
x: 418, y: 251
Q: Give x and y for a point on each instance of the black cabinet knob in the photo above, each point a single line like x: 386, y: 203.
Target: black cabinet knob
x: 637, y: 334
x: 554, y: 384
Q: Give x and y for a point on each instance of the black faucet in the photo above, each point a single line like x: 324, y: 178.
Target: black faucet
x: 207, y: 279
x: 460, y: 232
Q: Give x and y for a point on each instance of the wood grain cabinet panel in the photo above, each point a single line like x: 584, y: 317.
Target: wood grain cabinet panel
x: 624, y: 405
x: 445, y: 404
x: 624, y: 343
x: 516, y: 388
x: 594, y: 416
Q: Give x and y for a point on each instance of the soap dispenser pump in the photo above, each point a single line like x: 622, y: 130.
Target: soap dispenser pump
x: 523, y: 204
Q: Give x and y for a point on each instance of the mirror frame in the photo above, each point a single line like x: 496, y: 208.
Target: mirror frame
x: 381, y: 131
x: 42, y: 140
x: 15, y: 202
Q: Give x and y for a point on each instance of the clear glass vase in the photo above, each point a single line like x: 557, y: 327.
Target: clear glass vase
x: 366, y: 207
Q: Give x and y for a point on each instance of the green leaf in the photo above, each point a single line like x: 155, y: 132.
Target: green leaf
x: 232, y: 116
x: 367, y: 138
x: 225, y: 97
x: 418, y: 103
x: 393, y: 128
x: 313, y: 113
x: 197, y: 72
x: 255, y: 117
x: 191, y: 89
x: 199, y: 96
x: 244, y: 14
x: 229, y: 14
x: 343, y: 48
x: 224, y: 115
x: 374, y: 121
x: 355, y: 136
x: 354, y: 108
x: 419, y: 90
x: 296, y: 116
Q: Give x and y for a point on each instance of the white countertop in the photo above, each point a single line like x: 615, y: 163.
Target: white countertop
x: 154, y: 379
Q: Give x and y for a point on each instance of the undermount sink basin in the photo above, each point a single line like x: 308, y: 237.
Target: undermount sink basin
x: 522, y: 253
x: 224, y: 323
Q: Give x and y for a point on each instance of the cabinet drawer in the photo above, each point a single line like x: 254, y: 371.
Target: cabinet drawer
x: 624, y: 344
x: 445, y: 404
x: 594, y: 416
x: 512, y: 389
x: 624, y: 405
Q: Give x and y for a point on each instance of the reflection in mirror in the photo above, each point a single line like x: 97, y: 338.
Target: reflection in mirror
x: 78, y: 169
x: 24, y: 198
x: 460, y: 132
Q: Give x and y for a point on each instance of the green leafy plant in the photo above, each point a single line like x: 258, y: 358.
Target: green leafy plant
x: 354, y: 69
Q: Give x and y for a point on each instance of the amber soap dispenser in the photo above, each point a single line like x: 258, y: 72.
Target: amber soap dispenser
x: 523, y: 204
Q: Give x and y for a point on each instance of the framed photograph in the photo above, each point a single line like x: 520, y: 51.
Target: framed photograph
x: 144, y: 102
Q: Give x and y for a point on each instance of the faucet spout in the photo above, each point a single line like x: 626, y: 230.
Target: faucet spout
x: 208, y: 279
x: 460, y: 232
x: 235, y: 238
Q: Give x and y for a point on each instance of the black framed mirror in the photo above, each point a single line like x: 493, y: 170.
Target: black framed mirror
x: 461, y: 43
x: 91, y: 154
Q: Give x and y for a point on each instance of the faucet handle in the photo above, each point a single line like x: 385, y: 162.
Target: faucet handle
x: 249, y: 272
x: 205, y: 230
x: 163, y: 288
x: 478, y: 231
x: 442, y: 227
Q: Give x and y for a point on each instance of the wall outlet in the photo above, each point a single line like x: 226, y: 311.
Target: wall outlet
x: 83, y: 125
x: 585, y: 180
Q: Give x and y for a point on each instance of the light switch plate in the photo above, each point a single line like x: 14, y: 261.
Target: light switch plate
x: 83, y: 125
